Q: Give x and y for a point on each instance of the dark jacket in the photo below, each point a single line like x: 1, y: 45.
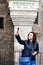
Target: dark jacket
x: 28, y: 48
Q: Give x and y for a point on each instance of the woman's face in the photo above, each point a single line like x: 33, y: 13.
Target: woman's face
x: 30, y: 36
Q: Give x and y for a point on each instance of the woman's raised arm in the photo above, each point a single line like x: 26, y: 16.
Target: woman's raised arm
x: 18, y: 37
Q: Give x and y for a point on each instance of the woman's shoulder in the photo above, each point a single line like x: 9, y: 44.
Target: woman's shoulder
x: 36, y: 43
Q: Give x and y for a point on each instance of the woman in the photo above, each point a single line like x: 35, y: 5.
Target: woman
x: 31, y: 49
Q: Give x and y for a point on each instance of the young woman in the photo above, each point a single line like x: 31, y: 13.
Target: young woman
x: 31, y: 48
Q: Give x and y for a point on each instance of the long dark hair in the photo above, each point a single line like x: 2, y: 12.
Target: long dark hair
x: 34, y: 37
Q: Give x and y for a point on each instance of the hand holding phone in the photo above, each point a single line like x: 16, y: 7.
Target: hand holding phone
x: 17, y: 31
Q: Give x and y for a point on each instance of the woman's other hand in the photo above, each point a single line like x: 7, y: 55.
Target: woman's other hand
x: 34, y: 53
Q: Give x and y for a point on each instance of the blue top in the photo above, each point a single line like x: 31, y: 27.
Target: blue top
x: 28, y: 48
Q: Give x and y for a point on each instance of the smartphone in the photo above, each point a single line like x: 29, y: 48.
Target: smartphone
x: 17, y: 28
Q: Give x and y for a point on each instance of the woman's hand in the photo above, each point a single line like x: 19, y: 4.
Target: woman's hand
x: 17, y: 32
x: 34, y: 53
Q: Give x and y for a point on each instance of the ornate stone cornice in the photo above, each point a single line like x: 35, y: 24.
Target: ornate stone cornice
x: 23, y: 5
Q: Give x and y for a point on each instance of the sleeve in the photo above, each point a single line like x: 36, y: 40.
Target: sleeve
x: 20, y: 40
x: 36, y: 48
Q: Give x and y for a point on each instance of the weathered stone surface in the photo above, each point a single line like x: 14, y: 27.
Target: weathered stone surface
x: 38, y: 28
x: 6, y: 37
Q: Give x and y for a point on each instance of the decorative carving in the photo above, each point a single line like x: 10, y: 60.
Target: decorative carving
x: 20, y: 5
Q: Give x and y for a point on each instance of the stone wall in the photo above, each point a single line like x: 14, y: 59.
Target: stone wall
x: 38, y: 28
x: 6, y: 37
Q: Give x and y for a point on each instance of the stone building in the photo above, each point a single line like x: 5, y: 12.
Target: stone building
x: 6, y: 35
x: 20, y: 14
